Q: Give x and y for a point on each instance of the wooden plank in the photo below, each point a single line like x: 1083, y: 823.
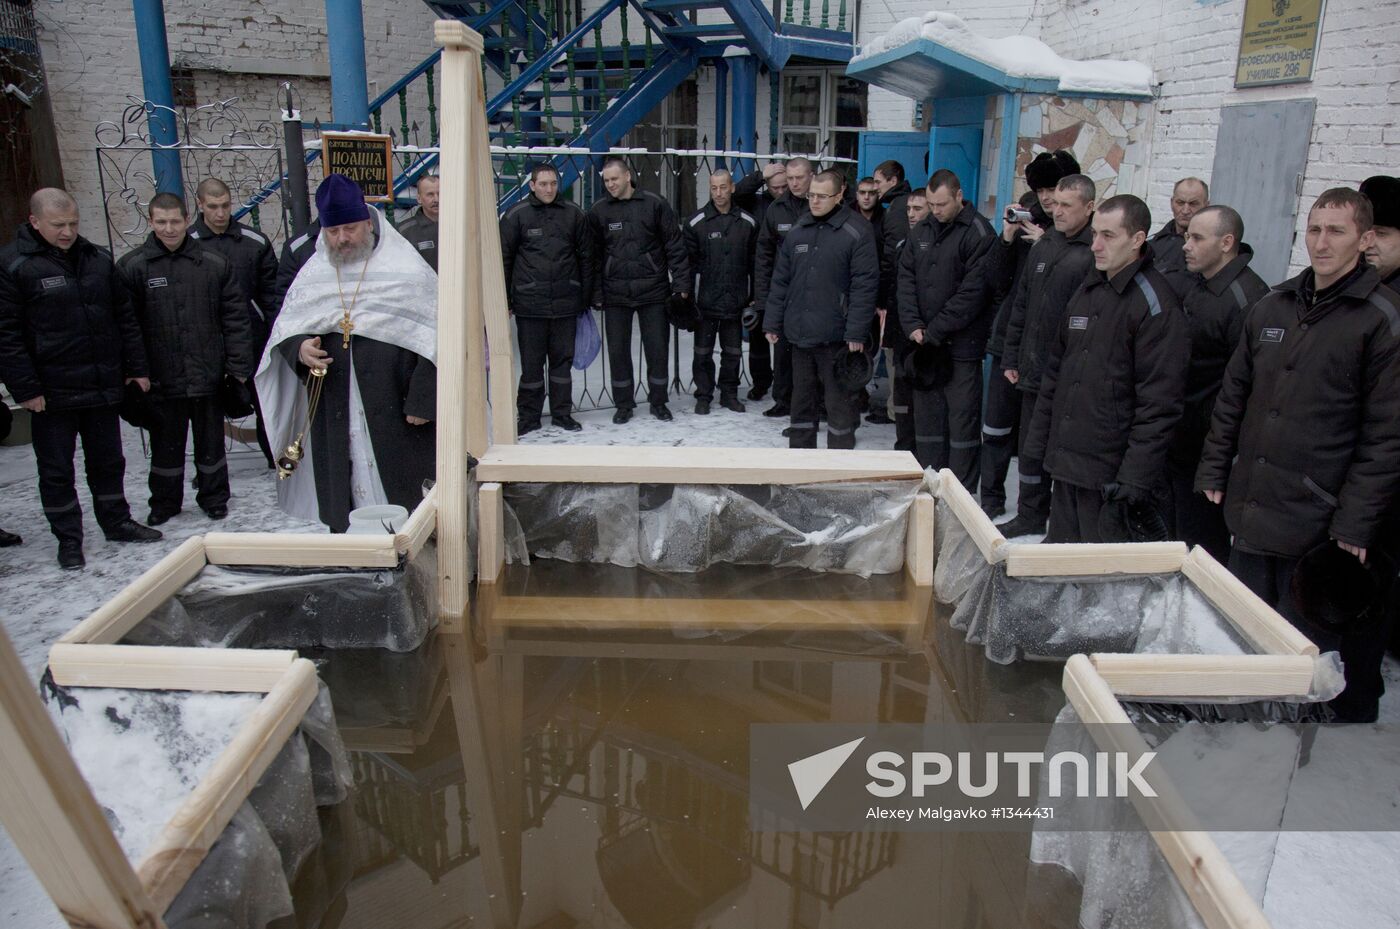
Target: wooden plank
x: 118, y: 616
x: 145, y: 667
x: 1204, y: 872
x: 617, y: 464
x: 1259, y: 623
x: 199, y: 821
x: 1206, y: 675
x: 490, y: 533
x: 419, y: 527
x: 987, y: 537
x: 494, y: 307
x: 1085, y: 559
x: 461, y: 404
x: 53, y: 818
x: 918, y: 542
x: 286, y: 549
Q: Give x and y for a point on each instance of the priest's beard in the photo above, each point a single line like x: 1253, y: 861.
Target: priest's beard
x: 348, y: 254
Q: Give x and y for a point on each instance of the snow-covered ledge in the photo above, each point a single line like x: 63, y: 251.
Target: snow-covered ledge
x: 938, y: 55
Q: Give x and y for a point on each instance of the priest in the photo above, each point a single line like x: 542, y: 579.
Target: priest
x: 357, y: 336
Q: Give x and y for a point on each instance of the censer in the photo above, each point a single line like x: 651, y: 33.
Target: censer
x: 294, y: 452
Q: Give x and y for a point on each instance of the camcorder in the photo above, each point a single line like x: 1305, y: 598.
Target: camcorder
x: 1014, y: 214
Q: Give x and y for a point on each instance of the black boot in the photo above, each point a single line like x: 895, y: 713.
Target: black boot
x: 70, y: 554
x: 702, y: 407
x: 661, y: 412
x: 732, y: 403
x: 623, y: 414
x: 9, y: 539
x: 566, y: 422
x: 129, y: 530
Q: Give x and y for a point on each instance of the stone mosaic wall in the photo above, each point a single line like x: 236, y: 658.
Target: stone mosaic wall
x: 1110, y: 139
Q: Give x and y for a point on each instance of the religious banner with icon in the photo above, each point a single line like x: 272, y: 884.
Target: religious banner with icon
x: 1278, y: 43
x: 365, y: 158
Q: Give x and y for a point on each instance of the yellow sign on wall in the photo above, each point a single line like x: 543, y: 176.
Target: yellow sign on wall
x: 365, y: 158
x: 1278, y: 44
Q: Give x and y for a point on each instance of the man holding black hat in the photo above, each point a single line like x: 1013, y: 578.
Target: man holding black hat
x: 1384, y: 253
x: 195, y: 321
x: 358, y: 331
x: 1112, y: 391
x: 639, y: 265
x: 1306, y: 431
x: 69, y: 346
x: 943, y: 301
x: 821, y: 302
x: 720, y: 242
x: 1006, y: 262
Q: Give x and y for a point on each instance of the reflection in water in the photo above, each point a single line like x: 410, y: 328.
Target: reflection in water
x: 556, y: 773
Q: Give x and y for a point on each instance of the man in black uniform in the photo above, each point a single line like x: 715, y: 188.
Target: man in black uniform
x: 1384, y: 253
x: 873, y: 211
x: 195, y: 322
x: 1306, y: 431
x: 548, y: 252
x: 69, y: 342
x: 296, y: 252
x: 421, y: 229
x: 255, y: 267
x: 896, y: 345
x: 821, y: 302
x: 1189, y: 196
x: 719, y: 241
x: 780, y: 219
x: 1055, y: 267
x: 1223, y: 288
x: 1112, y: 391
x: 756, y: 193
x: 943, y: 300
x: 641, y: 264
x: 1006, y: 263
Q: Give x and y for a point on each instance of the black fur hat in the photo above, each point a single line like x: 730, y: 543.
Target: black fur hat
x: 928, y: 366
x: 1384, y: 194
x: 1047, y: 168
x: 1121, y: 521
x: 1334, y: 590
x: 853, y: 370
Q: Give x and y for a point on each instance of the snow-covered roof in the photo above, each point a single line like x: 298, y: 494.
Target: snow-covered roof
x: 938, y: 55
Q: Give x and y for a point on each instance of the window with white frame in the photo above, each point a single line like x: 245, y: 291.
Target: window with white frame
x: 823, y: 112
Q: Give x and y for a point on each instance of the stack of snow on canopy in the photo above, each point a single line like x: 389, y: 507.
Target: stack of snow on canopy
x: 1028, y: 601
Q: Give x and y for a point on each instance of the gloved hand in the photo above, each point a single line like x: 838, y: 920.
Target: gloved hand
x: 1127, y: 493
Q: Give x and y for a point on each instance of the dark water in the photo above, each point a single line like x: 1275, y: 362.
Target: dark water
x: 581, y: 760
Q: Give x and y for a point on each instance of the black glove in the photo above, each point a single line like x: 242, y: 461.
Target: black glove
x: 1127, y: 493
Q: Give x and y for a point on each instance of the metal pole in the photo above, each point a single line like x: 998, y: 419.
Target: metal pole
x: 345, y: 30
x: 745, y: 92
x: 298, y: 199
x: 160, y: 94
x: 721, y: 108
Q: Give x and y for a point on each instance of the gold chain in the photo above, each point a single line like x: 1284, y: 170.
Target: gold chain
x: 346, y: 326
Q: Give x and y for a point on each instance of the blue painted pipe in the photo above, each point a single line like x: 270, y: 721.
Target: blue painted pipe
x: 721, y: 109
x: 160, y: 94
x: 345, y: 30
x: 745, y: 91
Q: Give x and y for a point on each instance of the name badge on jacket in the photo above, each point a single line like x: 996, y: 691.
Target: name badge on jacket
x: 424, y: 246
x: 614, y: 227
x: 717, y: 235
x: 53, y: 283
x: 534, y: 233
x: 1079, y: 322
x: 784, y: 227
x: 156, y: 282
x: 802, y: 249
x: 1271, y: 335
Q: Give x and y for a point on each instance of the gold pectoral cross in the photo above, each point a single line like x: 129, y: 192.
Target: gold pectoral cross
x: 346, y: 327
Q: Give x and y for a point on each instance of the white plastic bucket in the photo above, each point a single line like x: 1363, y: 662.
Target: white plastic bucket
x: 377, y: 520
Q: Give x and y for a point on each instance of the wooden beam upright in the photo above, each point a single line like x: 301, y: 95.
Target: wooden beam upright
x: 493, y: 307
x: 490, y: 533
x: 461, y: 418
x: 53, y: 818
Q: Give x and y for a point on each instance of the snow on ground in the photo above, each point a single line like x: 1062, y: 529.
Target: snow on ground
x: 1016, y: 55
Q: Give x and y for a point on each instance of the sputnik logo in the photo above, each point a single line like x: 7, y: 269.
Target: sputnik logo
x: 810, y: 775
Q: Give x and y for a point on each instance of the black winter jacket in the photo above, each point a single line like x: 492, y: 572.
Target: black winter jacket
x: 422, y: 233
x: 1169, y: 259
x: 894, y: 228
x: 720, y: 249
x: 254, y: 265
x: 824, y: 285
x: 1112, y: 392
x: 780, y: 219
x: 1305, y: 435
x: 1006, y: 262
x: 942, y: 284
x: 548, y: 250
x: 1055, y: 269
x: 295, y: 253
x: 192, y: 314
x: 751, y: 194
x: 638, y: 242
x: 1215, y: 311
x: 68, y: 331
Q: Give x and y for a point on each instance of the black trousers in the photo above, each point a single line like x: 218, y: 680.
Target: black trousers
x: 760, y: 360
x: 1001, y: 418
x: 814, y: 377
x: 263, y: 443
x: 656, y: 337
x: 55, y: 437
x: 783, y: 382
x: 1074, y: 513
x: 1194, y: 519
x: 1271, y: 577
x: 546, y: 351
x: 948, y: 422
x: 173, y: 421
x: 731, y: 347
x: 1034, y: 500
